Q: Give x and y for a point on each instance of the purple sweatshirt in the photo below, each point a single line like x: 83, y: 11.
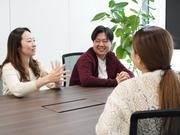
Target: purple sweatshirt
x: 85, y: 72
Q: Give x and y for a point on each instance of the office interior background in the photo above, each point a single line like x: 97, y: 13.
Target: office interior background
x: 61, y: 26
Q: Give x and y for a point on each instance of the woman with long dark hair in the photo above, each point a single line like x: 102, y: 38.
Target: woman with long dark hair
x: 21, y: 73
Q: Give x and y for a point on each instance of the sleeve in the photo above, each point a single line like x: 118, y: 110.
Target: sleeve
x: 116, y: 116
x: 85, y: 70
x: 11, y: 79
x: 121, y: 67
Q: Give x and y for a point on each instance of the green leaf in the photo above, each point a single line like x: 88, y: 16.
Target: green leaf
x: 132, y: 19
x: 119, y: 32
x: 128, y: 49
x: 114, y: 20
x: 114, y: 28
x: 111, y: 3
x: 117, y: 16
x: 121, y: 4
x: 134, y: 22
x: 151, y: 7
x: 134, y: 11
x: 151, y: 0
x: 124, y: 55
x: 99, y: 16
x: 120, y: 53
x: 122, y: 13
x: 151, y: 16
x: 126, y: 42
x: 144, y: 15
x: 127, y: 30
x: 135, y: 1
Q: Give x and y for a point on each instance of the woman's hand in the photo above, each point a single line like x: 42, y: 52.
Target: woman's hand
x: 58, y: 73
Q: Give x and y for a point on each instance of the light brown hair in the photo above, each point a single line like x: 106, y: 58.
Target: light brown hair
x: 154, y: 46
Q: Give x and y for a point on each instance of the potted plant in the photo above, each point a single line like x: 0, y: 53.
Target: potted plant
x: 124, y: 25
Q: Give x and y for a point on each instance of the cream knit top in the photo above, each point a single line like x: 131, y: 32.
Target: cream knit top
x: 135, y: 94
x: 12, y: 84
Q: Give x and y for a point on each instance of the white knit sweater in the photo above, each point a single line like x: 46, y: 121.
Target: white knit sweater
x: 140, y: 93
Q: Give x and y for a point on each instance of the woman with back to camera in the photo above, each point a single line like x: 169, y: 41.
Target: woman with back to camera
x: 21, y: 73
x: 157, y: 88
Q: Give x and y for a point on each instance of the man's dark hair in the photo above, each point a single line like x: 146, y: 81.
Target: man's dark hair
x: 101, y: 29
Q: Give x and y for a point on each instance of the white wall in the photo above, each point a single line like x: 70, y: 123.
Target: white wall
x: 59, y: 26
x: 159, y: 13
x: 4, y: 27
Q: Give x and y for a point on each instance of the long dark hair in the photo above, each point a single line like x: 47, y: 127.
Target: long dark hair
x: 13, y: 55
x: 154, y: 46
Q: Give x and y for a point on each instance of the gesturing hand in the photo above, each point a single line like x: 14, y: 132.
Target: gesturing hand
x: 58, y: 73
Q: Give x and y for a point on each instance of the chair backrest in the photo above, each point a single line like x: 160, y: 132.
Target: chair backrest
x: 69, y: 60
x: 155, y: 122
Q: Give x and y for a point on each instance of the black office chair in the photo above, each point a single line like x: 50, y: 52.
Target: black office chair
x: 155, y: 122
x: 69, y: 60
